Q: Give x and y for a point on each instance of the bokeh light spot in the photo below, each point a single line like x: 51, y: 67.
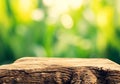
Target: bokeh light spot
x: 67, y: 21
x: 37, y: 15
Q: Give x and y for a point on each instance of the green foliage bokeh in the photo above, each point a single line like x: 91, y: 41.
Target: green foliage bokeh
x: 59, y: 28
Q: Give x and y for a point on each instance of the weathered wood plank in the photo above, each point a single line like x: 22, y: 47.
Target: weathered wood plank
x: 34, y: 70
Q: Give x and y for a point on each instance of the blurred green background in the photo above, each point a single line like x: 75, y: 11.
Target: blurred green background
x: 59, y: 28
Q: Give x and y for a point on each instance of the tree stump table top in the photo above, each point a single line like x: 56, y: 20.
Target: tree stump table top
x: 35, y: 70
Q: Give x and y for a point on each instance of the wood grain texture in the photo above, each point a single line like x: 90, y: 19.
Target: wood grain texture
x: 35, y: 70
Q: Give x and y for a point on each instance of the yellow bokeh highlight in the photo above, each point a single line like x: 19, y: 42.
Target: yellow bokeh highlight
x: 5, y: 20
x: 23, y: 9
x: 105, y: 25
x: 104, y: 17
x: 101, y: 41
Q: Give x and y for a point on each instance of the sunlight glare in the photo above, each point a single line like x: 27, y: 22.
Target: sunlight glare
x: 48, y: 2
x: 59, y: 7
x: 75, y: 3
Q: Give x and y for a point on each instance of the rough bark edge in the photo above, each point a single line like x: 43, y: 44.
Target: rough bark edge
x: 60, y: 75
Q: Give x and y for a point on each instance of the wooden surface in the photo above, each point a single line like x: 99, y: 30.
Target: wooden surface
x: 34, y: 70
